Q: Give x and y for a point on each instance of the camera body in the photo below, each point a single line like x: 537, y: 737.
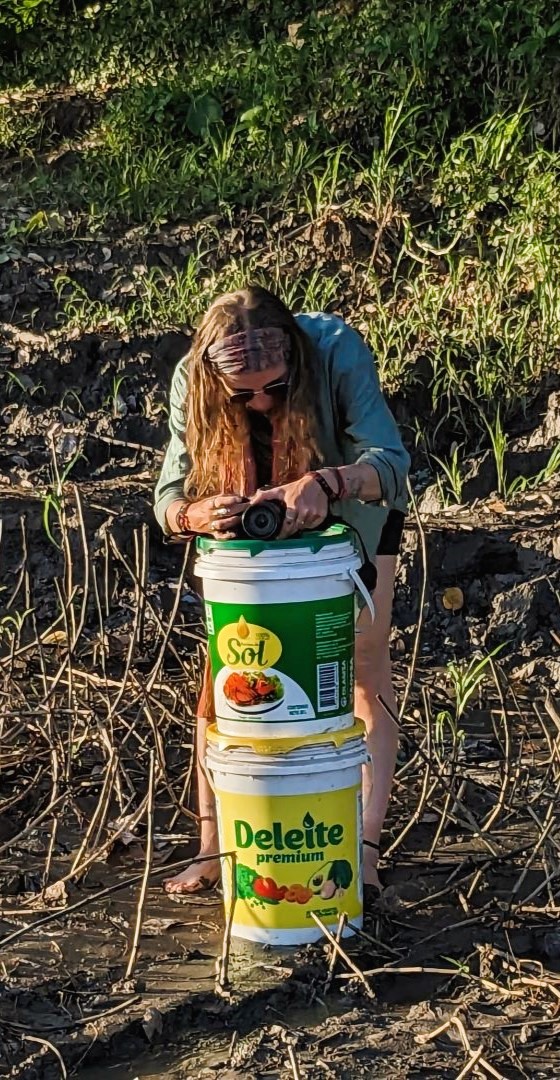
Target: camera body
x: 262, y: 521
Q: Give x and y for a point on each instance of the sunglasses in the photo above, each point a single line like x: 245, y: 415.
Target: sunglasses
x: 278, y: 389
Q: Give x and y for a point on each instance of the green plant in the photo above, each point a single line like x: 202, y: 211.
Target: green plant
x: 11, y: 626
x: 53, y: 500
x: 446, y: 728
x: 169, y: 297
x: 320, y: 193
x: 529, y: 483
x: 391, y: 166
x: 83, y: 313
x: 452, y: 473
x: 114, y: 399
x: 24, y: 383
x: 74, y: 396
x: 499, y: 441
x: 466, y: 677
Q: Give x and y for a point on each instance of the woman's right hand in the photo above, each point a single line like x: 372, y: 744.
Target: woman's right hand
x: 218, y: 515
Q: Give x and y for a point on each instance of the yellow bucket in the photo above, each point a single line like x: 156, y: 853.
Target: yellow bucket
x: 294, y: 820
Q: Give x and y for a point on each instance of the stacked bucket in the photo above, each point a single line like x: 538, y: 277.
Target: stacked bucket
x: 285, y: 755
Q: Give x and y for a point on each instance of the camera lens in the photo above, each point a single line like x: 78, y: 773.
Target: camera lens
x: 261, y: 522
x: 264, y: 521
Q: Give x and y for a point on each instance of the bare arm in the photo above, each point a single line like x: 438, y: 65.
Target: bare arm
x: 361, y: 481
x: 308, y: 501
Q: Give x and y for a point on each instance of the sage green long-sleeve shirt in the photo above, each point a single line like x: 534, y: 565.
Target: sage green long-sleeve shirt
x: 354, y: 424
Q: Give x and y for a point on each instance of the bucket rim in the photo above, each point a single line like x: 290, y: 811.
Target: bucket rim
x: 314, y: 540
x: 284, y: 744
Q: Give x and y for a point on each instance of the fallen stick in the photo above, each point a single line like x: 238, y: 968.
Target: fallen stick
x: 338, y: 947
x: 293, y: 1062
x: 223, y: 968
x: 454, y: 1021
x: 334, y: 954
x: 48, y: 1046
x: 475, y: 1060
x: 147, y: 866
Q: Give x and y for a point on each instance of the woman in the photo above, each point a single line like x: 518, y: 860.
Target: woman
x: 266, y: 398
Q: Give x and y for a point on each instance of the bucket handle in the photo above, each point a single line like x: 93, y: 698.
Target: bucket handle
x: 354, y: 574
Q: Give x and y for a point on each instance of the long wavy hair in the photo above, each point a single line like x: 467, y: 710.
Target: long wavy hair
x: 216, y: 431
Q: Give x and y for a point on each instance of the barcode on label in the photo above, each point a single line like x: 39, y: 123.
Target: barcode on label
x: 327, y: 686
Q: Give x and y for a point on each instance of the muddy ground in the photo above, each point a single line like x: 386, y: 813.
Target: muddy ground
x: 101, y: 637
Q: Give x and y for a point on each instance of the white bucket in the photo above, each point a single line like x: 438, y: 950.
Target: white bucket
x: 294, y: 821
x: 280, y: 621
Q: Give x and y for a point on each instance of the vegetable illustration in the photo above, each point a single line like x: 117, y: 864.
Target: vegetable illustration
x: 245, y: 688
x: 244, y: 879
x: 261, y: 890
x: 333, y: 877
x: 298, y: 894
x: 267, y: 889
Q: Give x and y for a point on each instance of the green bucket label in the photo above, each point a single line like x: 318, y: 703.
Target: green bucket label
x: 273, y: 662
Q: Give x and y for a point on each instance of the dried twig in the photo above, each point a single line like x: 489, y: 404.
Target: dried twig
x: 49, y: 1046
x: 342, y: 920
x: 421, y: 605
x: 338, y: 948
x: 147, y: 866
x: 293, y: 1062
x: 223, y: 967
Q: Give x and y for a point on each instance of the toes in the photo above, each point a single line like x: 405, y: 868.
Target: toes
x: 179, y: 887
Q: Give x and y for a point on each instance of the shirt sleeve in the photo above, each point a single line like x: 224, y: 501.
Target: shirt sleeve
x: 369, y: 428
x: 176, y: 463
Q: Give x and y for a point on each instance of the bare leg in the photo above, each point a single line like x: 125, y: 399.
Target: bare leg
x: 373, y: 676
x: 204, y: 875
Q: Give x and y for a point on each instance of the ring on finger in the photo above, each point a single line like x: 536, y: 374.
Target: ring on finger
x: 222, y: 511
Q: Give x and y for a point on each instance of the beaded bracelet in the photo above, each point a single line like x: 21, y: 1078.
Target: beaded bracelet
x: 342, y: 492
x: 332, y: 496
x: 324, y: 485
x: 182, y: 519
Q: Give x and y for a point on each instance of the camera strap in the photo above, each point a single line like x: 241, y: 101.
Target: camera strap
x: 368, y: 570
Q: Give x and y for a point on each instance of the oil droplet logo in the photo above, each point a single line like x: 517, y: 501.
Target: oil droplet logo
x: 243, y: 645
x: 242, y: 628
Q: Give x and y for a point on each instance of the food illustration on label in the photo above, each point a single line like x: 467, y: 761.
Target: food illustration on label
x: 301, y: 656
x: 259, y: 890
x: 246, y: 688
x: 332, y: 879
x: 249, y: 695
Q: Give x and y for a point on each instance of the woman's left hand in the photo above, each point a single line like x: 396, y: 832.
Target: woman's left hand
x: 307, y: 505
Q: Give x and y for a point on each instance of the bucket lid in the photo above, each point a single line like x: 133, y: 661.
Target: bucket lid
x: 281, y: 745
x: 313, y: 540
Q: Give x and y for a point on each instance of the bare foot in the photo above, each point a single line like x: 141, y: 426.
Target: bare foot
x: 194, y: 878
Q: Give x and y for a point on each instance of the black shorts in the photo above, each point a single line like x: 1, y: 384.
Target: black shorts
x: 391, y: 534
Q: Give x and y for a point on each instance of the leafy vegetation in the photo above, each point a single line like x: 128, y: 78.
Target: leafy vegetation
x: 430, y: 135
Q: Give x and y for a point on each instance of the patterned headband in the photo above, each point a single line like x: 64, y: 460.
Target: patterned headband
x: 251, y: 350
